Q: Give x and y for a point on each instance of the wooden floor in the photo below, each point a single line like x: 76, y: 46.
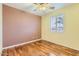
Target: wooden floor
x: 40, y: 48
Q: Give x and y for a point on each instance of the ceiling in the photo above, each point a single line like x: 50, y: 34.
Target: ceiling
x: 30, y: 8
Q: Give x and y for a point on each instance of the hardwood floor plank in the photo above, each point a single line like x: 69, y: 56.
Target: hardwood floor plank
x: 40, y: 48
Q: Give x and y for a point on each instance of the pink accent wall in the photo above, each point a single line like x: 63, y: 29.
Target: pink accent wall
x: 19, y: 26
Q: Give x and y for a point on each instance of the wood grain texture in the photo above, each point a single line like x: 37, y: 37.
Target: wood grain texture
x: 40, y: 48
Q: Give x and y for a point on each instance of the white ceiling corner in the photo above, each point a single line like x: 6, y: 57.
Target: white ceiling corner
x: 28, y: 7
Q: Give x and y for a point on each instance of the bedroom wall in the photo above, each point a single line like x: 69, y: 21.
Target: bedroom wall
x: 70, y: 36
x: 19, y: 26
x: 0, y: 28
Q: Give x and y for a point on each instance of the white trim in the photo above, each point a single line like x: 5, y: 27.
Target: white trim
x: 21, y: 44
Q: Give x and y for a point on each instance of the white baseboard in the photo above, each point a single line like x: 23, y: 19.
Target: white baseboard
x: 21, y: 44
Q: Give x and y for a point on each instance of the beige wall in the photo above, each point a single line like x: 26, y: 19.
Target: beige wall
x: 70, y: 36
x: 0, y: 28
x: 19, y: 26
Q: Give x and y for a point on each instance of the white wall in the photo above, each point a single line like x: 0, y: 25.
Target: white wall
x: 0, y: 28
x: 70, y: 36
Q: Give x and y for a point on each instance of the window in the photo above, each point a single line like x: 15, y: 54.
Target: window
x: 57, y: 23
